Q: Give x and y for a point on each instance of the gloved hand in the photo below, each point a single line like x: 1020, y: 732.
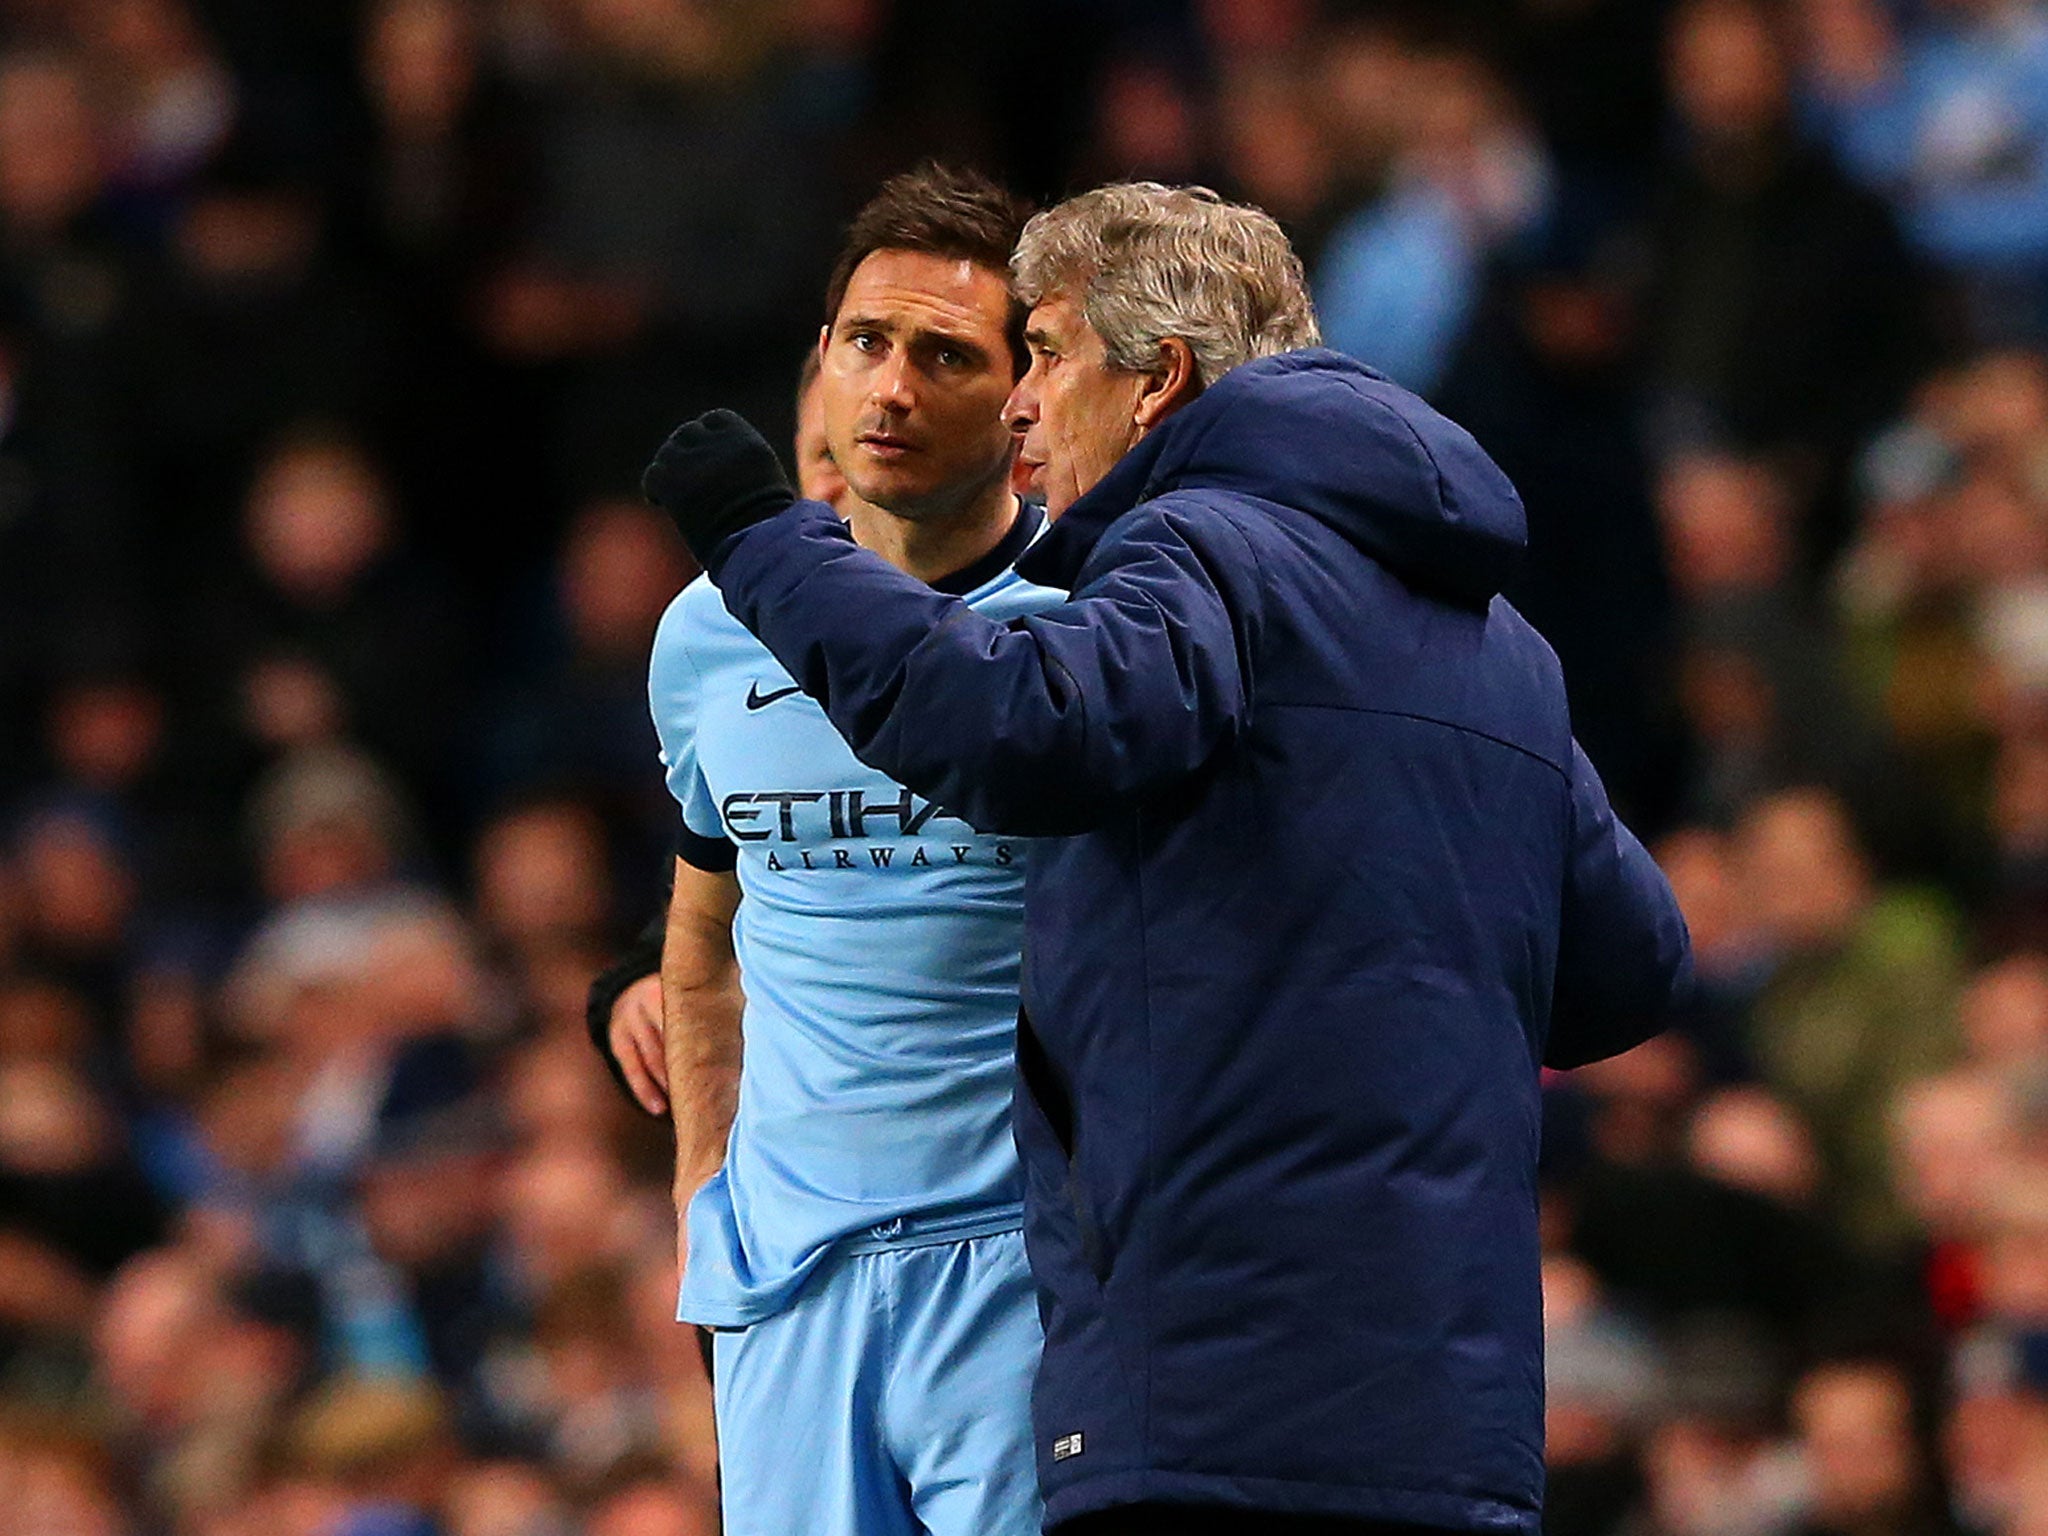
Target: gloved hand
x: 714, y: 476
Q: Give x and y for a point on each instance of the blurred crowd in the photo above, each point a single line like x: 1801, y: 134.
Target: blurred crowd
x: 332, y: 338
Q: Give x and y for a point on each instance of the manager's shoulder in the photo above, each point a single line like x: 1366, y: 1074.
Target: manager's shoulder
x: 1193, y: 514
x: 1525, y: 680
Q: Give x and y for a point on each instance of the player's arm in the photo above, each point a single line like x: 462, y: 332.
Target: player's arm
x: 700, y: 997
x: 700, y: 994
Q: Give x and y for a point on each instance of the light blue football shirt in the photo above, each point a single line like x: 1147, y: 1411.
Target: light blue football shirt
x: 878, y: 940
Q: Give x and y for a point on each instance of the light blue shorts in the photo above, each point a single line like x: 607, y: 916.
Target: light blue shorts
x: 892, y: 1398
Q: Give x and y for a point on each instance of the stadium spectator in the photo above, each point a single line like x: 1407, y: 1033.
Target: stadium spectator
x: 1861, y: 1442
x: 1861, y: 994
x: 1949, y: 119
x: 325, y: 632
x: 1547, y: 380
x: 173, y: 101
x: 577, y: 721
x: 1784, y: 313
x: 1399, y: 278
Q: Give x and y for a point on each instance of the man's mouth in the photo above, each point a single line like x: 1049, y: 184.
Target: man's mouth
x: 885, y: 445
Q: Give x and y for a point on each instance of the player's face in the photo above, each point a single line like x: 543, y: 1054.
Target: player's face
x: 916, y: 366
x: 817, y: 472
x: 1077, y: 414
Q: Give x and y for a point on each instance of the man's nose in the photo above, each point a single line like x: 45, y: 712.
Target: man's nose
x: 1020, y: 411
x: 889, y: 385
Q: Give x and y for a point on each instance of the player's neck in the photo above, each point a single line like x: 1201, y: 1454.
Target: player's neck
x: 933, y: 548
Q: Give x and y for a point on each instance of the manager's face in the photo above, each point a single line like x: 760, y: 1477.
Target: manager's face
x: 1076, y: 413
x: 915, y: 367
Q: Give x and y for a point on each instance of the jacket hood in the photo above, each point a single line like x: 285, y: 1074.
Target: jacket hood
x: 1324, y: 434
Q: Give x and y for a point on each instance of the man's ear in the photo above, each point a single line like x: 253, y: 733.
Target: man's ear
x: 824, y: 342
x: 1172, y: 382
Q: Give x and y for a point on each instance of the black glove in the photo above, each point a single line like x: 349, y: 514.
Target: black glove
x: 714, y: 476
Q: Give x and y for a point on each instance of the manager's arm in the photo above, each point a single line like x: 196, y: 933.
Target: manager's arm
x: 1031, y: 727
x: 1624, y: 960
x: 1035, y: 726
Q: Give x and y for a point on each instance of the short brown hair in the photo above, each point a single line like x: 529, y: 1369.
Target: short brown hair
x: 941, y: 211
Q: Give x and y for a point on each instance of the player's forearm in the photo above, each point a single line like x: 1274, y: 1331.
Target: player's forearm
x: 701, y: 1022
x: 703, y: 1081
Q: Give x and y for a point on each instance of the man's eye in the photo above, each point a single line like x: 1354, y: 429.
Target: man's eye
x: 949, y: 358
x: 866, y: 341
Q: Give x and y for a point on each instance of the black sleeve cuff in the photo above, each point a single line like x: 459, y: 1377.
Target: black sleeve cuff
x: 713, y: 855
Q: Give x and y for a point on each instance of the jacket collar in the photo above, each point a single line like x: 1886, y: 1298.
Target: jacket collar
x: 1056, y: 559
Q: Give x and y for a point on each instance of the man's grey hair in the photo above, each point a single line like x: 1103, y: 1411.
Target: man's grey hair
x: 1146, y: 262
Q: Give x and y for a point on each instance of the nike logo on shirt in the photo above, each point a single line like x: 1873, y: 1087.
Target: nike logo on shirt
x: 756, y: 699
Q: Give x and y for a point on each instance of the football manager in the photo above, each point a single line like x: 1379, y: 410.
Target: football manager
x: 1325, y: 881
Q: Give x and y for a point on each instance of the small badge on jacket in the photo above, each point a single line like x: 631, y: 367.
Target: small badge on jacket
x: 1066, y: 1446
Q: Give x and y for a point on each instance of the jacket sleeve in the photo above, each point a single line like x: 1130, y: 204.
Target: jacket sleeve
x: 1624, y: 959
x: 1033, y: 726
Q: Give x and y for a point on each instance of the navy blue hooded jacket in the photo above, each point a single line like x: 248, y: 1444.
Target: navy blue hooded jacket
x: 1325, y: 879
